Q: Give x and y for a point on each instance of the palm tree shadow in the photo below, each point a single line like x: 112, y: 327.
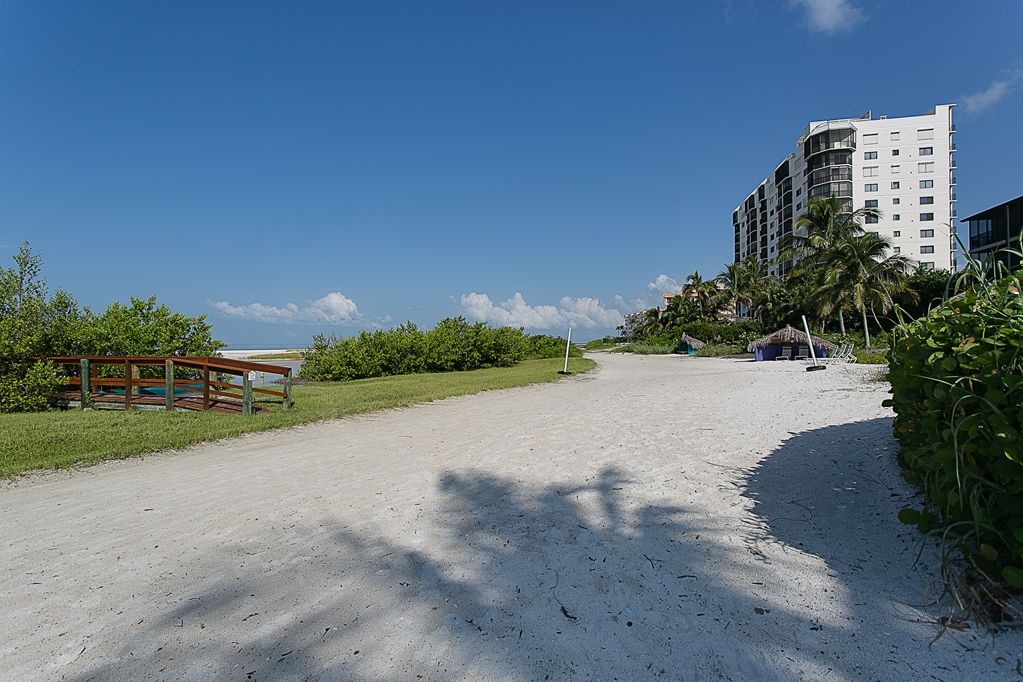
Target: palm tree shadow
x: 835, y: 492
x: 527, y: 581
x: 522, y: 582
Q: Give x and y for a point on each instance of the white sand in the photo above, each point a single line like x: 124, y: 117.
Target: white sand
x: 697, y: 519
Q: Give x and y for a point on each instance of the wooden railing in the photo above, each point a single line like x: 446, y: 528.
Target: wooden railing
x: 206, y: 391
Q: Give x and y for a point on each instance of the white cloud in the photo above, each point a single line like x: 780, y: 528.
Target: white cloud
x: 663, y: 285
x: 829, y: 16
x: 515, y: 312
x: 334, y: 308
x: 620, y: 303
x: 979, y: 102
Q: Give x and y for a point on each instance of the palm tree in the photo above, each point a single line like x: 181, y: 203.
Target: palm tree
x: 745, y: 282
x: 735, y: 289
x: 651, y: 324
x: 703, y: 292
x: 825, y: 223
x: 763, y: 287
x: 864, y: 268
x: 826, y: 226
x: 677, y: 313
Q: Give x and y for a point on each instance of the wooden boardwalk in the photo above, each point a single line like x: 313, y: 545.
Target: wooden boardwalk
x: 188, y: 383
x: 115, y: 401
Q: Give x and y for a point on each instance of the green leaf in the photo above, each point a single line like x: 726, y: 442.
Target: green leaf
x: 1013, y: 575
x: 909, y: 516
x: 988, y: 552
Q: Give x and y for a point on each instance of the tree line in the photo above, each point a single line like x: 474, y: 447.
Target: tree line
x: 36, y: 324
x: 839, y: 270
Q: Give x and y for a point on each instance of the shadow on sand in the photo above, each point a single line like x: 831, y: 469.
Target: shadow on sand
x: 557, y: 582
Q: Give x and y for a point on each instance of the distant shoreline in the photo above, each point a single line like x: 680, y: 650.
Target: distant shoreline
x: 242, y: 354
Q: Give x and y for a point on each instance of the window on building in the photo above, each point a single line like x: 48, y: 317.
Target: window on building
x: 895, y: 136
x: 869, y: 156
x: 872, y: 187
x: 896, y: 168
x: 870, y: 203
x: 896, y: 185
x: 925, y: 134
x: 926, y: 184
x: 926, y: 151
x: 926, y: 249
x: 926, y: 217
x: 870, y: 138
x: 925, y: 167
x: 799, y: 205
x: 896, y: 233
x: 926, y: 234
x: 870, y: 172
x: 896, y: 216
x: 926, y: 200
x: 895, y: 152
x: 927, y: 266
x: 896, y: 201
x: 897, y: 249
x: 799, y: 191
x: 871, y: 219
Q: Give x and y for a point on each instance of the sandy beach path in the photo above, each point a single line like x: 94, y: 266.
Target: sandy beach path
x: 661, y: 517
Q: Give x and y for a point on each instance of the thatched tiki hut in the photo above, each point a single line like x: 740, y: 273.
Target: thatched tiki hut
x: 789, y: 344
x: 688, y: 345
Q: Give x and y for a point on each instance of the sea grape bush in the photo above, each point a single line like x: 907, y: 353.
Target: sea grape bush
x: 957, y: 390
x: 734, y: 334
x: 35, y: 323
x: 453, y: 345
x: 29, y: 388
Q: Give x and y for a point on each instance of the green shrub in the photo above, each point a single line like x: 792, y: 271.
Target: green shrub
x: 865, y: 357
x: 35, y: 324
x: 453, y: 345
x: 736, y: 334
x: 957, y: 390
x: 717, y: 350
x: 879, y: 339
x: 602, y: 344
x: 31, y: 390
x: 544, y: 346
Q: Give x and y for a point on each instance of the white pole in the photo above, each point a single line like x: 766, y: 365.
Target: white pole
x: 809, y: 340
x: 568, y: 344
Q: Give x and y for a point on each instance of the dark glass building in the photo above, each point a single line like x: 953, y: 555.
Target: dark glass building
x: 995, y: 230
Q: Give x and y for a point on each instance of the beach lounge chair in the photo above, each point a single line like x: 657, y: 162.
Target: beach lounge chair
x: 786, y: 352
x: 843, y: 354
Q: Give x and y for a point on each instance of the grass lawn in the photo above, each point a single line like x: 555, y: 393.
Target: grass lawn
x: 58, y: 439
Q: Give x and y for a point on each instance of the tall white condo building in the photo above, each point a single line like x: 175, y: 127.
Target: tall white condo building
x: 905, y: 167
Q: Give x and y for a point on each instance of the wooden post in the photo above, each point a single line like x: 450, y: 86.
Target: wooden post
x: 86, y: 384
x: 168, y: 383
x: 287, y: 391
x: 127, y: 384
x: 206, y: 388
x: 246, y: 393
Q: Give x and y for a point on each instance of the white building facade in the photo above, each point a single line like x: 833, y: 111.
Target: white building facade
x: 905, y: 167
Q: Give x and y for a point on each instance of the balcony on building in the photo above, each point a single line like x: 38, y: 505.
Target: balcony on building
x: 995, y: 233
x: 829, y: 136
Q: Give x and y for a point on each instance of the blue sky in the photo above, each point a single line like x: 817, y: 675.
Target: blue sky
x: 288, y: 169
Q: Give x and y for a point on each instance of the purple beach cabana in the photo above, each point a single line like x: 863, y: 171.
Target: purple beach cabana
x: 789, y: 344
